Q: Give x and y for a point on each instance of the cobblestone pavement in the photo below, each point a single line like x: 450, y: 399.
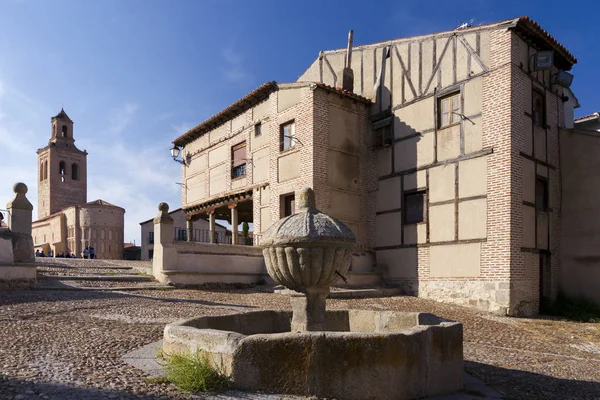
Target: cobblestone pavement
x: 68, y: 344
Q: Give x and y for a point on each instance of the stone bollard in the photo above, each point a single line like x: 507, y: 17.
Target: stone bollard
x: 19, y: 222
x: 20, y: 210
x: 163, y: 225
x: 165, y: 254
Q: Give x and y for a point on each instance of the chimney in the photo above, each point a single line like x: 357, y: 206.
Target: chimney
x: 348, y: 74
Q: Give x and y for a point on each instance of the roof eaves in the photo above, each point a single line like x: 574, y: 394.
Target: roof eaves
x: 251, y: 99
x: 587, y: 118
x: 529, y: 26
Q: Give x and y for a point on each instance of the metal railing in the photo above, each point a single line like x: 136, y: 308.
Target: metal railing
x: 238, y: 171
x: 221, y: 237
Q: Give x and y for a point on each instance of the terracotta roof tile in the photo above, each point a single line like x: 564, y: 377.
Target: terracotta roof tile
x: 527, y: 23
x: 590, y: 116
x: 256, y: 96
x: 343, y: 92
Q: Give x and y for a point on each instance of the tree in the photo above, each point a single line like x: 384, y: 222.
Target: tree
x: 245, y: 229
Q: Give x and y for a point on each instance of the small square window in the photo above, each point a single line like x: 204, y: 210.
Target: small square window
x: 258, y: 129
x: 449, y: 110
x: 287, y: 135
x: 414, y: 208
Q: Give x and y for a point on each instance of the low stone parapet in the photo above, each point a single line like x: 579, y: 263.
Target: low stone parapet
x: 192, y: 264
x: 360, y: 355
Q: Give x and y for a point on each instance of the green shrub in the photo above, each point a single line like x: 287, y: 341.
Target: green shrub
x: 194, y: 373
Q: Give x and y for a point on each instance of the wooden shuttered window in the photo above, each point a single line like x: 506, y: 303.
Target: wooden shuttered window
x: 238, y: 160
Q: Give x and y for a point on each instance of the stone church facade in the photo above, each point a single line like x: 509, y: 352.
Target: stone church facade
x: 67, y: 222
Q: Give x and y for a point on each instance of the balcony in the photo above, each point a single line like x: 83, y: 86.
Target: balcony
x: 238, y: 171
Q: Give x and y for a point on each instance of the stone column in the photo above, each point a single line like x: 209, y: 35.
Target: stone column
x: 20, y: 210
x: 19, y: 219
x: 308, y: 309
x: 234, y: 223
x: 189, y: 226
x: 163, y: 226
x: 211, y: 226
x: 165, y: 253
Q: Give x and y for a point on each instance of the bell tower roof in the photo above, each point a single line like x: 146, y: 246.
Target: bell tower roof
x: 62, y: 115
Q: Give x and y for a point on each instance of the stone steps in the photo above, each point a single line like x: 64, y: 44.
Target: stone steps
x: 59, y: 285
x: 95, y: 277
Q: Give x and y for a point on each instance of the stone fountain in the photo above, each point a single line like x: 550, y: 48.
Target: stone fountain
x: 345, y: 354
x: 307, y: 252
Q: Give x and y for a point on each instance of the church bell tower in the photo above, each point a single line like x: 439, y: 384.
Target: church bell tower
x: 62, y: 169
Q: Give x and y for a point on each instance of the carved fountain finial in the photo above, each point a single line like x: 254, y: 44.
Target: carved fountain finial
x: 307, y: 199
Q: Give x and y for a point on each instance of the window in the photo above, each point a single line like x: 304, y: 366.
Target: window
x: 75, y: 172
x: 46, y: 169
x: 541, y: 195
x: 539, y: 109
x: 258, y: 129
x: 449, y: 110
x: 64, y: 131
x: 238, y: 160
x: 102, y: 234
x: 61, y: 170
x: 414, y: 208
x: 150, y: 238
x: 150, y: 254
x: 181, y: 234
x: 41, y: 171
x: 288, y: 136
x: 288, y: 206
x: 110, y: 235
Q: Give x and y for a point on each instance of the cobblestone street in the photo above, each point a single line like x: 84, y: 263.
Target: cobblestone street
x: 68, y: 344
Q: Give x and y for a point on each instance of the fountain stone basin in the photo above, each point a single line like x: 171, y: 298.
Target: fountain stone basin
x: 360, y: 355
x: 342, y: 354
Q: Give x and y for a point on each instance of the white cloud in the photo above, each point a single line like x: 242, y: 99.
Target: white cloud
x: 234, y: 68
x: 121, y: 118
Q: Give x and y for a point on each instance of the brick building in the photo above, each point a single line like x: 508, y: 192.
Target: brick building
x: 67, y: 223
x: 440, y: 153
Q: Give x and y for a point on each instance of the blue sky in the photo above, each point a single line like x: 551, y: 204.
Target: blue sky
x: 134, y: 74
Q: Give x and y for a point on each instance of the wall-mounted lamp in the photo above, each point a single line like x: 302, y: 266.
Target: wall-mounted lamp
x: 175, y: 151
x: 563, y: 78
x: 543, y: 60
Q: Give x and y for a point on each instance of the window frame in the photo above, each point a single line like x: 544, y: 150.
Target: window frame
x: 284, y: 202
x: 541, y: 121
x: 150, y: 237
x: 257, y: 129
x: 282, y: 137
x: 405, y: 215
x: 545, y: 203
x: 238, y: 171
x: 454, y: 117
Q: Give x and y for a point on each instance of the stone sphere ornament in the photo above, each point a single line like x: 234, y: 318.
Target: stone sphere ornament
x: 307, y: 252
